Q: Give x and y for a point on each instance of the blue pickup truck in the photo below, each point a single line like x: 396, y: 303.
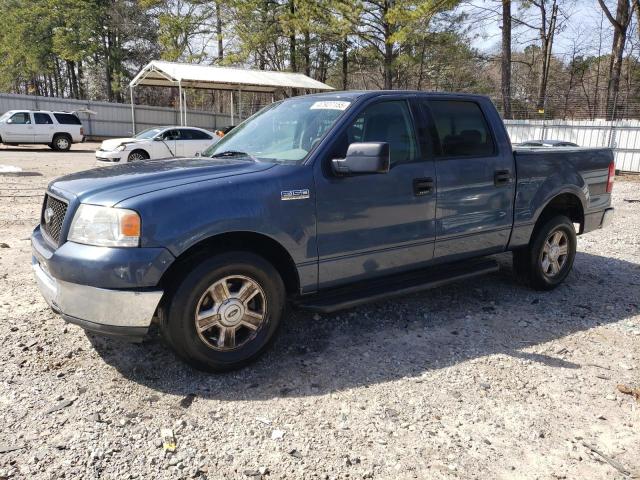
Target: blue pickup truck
x: 327, y: 201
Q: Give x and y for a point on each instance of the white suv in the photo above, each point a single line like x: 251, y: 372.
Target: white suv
x: 56, y: 129
x: 156, y: 143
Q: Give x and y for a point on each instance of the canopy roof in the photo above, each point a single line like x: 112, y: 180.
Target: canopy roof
x: 170, y: 74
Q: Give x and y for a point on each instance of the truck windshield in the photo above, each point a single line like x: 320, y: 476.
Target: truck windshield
x: 284, y: 132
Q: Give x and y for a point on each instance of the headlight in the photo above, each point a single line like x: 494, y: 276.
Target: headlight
x: 105, y: 226
x: 120, y: 148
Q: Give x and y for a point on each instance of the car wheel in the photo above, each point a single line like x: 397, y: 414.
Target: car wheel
x: 548, y: 259
x: 137, y: 156
x: 61, y: 142
x: 225, y: 311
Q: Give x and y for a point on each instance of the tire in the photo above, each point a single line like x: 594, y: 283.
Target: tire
x: 61, y: 142
x: 548, y: 259
x: 137, y: 156
x: 201, y: 291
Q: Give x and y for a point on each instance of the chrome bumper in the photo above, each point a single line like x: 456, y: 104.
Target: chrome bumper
x: 111, y: 312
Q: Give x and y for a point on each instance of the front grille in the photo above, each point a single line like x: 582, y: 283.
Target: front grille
x: 53, y: 217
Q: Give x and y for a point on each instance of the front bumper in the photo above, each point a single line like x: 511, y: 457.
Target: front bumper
x: 123, y: 313
x: 104, y: 156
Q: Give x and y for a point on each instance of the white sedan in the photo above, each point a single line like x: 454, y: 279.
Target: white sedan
x: 156, y: 143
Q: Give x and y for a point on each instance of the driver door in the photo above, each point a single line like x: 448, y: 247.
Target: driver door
x: 371, y: 225
x: 19, y: 128
x: 169, y: 147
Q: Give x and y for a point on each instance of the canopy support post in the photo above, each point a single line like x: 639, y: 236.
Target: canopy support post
x: 232, y: 120
x: 180, y: 99
x: 184, y: 105
x: 239, y: 105
x: 133, y: 112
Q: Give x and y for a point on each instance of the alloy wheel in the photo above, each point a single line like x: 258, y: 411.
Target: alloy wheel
x: 62, y: 143
x: 230, y: 312
x: 554, y: 253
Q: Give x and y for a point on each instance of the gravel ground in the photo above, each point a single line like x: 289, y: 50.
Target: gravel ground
x: 482, y: 379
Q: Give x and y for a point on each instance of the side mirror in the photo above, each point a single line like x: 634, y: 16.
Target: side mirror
x: 198, y: 154
x: 365, y: 157
x: 10, y: 120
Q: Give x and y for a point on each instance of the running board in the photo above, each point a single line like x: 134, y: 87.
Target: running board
x: 347, y: 297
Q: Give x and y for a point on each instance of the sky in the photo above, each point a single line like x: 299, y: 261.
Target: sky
x: 581, y: 26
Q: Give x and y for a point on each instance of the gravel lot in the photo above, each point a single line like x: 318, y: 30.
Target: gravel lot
x: 482, y: 379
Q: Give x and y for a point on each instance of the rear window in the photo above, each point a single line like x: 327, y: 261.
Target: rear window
x: 461, y: 130
x: 42, y: 118
x: 67, y: 119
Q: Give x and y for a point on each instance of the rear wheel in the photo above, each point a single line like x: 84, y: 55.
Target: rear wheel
x: 61, y: 142
x: 548, y: 259
x: 225, y: 311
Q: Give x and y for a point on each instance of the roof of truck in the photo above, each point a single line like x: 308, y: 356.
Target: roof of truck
x: 353, y: 94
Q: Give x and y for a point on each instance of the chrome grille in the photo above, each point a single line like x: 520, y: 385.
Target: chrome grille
x: 52, y: 217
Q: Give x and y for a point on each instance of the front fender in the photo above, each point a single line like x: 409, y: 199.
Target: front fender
x: 181, y: 217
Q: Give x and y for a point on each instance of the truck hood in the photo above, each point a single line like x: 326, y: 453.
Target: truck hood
x: 111, y: 185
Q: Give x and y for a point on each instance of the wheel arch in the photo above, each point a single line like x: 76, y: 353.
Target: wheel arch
x: 138, y: 149
x: 253, y: 242
x: 62, y: 134
x: 566, y: 203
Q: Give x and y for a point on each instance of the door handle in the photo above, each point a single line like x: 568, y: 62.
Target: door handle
x: 423, y: 186
x: 501, y: 177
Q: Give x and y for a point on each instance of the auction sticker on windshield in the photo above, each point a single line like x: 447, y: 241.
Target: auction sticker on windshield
x: 329, y: 105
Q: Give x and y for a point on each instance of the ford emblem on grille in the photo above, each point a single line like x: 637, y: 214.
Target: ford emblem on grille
x: 48, y: 215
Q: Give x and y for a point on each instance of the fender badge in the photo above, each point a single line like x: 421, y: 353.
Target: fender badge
x: 294, y: 194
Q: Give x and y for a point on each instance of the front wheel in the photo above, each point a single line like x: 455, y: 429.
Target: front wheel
x: 225, y: 311
x: 548, y: 259
x: 138, y: 156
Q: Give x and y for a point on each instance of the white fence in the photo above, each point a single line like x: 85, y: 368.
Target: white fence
x: 113, y: 119
x: 621, y: 135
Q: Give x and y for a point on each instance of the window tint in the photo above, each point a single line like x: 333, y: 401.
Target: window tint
x: 388, y: 122
x: 67, y: 119
x: 21, y: 118
x: 42, y: 119
x: 461, y: 129
x: 189, y: 134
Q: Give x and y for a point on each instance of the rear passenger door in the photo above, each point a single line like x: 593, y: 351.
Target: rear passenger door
x: 193, y: 141
x: 475, y: 193
x: 43, y: 127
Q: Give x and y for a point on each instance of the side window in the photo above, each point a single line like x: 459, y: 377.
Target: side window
x: 67, y: 119
x: 42, y: 119
x: 460, y: 129
x: 171, y: 135
x: 189, y: 134
x: 388, y: 122
x: 20, y: 118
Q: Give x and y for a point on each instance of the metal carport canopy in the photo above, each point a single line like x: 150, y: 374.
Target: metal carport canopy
x: 187, y: 75
x: 169, y: 74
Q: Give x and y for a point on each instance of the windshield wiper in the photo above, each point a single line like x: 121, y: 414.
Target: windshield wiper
x: 233, y: 153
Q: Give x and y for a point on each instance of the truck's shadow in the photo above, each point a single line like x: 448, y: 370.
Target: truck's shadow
x: 403, y: 338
